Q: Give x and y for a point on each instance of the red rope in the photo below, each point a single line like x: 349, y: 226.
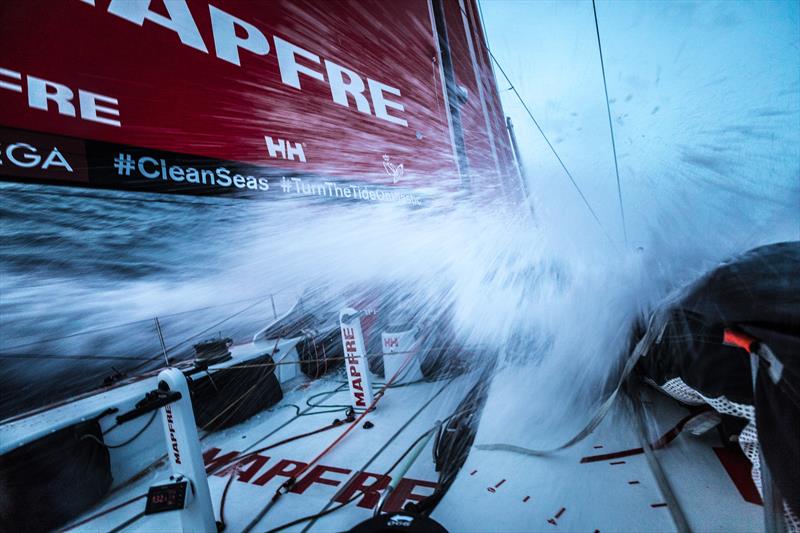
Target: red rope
x: 369, y: 409
x: 665, y: 439
x: 291, y: 481
x: 248, y: 455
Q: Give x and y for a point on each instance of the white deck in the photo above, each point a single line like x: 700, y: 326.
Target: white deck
x: 495, y: 491
x: 596, y: 495
x: 389, y: 434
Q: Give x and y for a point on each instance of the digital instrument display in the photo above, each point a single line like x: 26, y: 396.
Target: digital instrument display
x: 169, y: 497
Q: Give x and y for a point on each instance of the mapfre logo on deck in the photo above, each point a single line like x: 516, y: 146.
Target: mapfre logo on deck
x: 25, y: 154
x: 353, y: 373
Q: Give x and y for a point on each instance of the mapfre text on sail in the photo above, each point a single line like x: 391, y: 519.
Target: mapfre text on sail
x: 234, y: 37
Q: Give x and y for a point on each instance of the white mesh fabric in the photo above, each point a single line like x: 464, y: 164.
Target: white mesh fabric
x: 682, y: 392
x: 748, y: 438
x: 792, y: 522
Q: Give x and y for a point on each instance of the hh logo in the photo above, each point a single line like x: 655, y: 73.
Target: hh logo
x: 284, y: 149
x: 390, y: 342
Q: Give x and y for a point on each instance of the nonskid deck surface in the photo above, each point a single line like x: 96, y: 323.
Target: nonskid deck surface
x: 574, y: 490
x: 503, y: 491
x: 360, y: 460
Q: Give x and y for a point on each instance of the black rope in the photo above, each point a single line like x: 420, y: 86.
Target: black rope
x: 610, y: 126
x: 103, y: 513
x: 248, y: 452
x: 358, y: 494
x: 312, y: 519
x: 235, y: 464
x: 127, y: 522
x: 125, y: 443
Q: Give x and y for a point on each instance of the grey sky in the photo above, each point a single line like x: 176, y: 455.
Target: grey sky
x: 705, y: 98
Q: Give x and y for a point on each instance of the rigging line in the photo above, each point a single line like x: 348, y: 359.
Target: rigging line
x: 345, y: 358
x: 96, y: 330
x: 283, y: 425
x: 4, y: 355
x: 44, y: 356
x: 140, y: 321
x: 550, y: 145
x: 610, y: 126
x: 212, y: 327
